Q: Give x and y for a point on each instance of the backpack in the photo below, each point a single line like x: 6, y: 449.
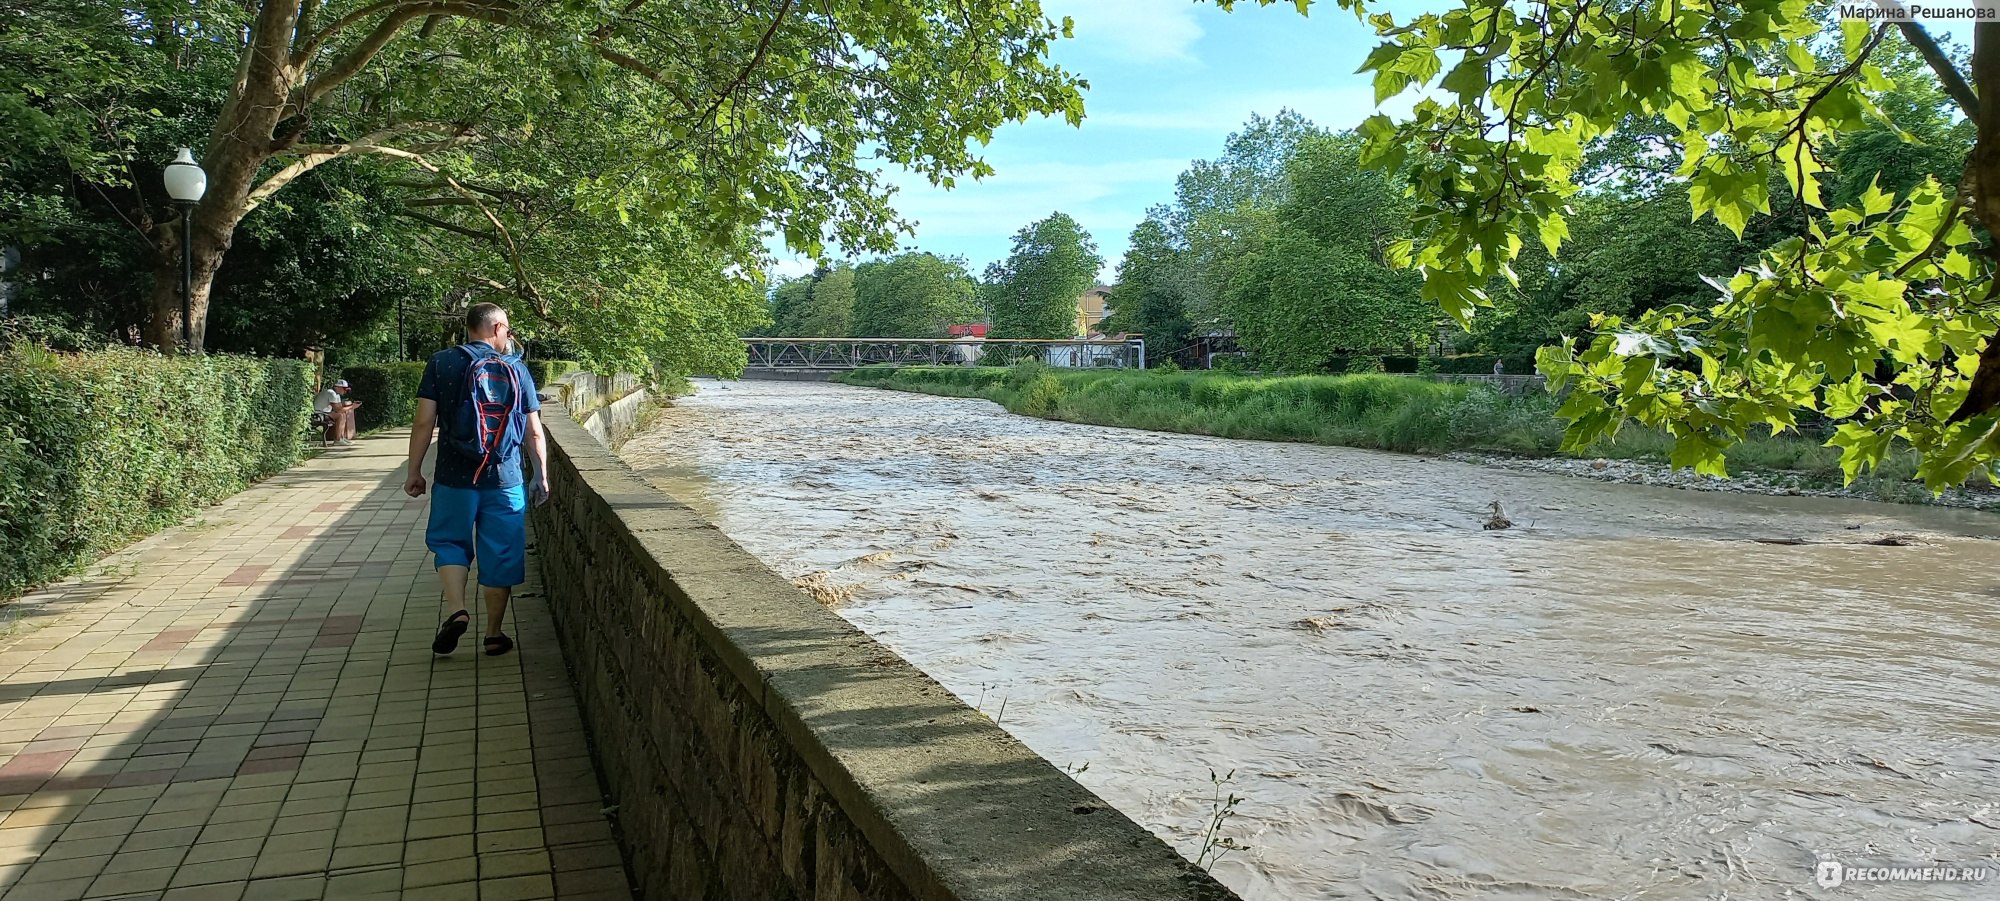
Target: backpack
x: 488, y: 421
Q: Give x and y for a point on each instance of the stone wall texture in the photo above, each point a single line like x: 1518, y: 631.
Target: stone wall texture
x: 760, y: 747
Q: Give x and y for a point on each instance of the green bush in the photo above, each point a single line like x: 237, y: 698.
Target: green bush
x: 1042, y: 395
x: 1482, y: 364
x: 387, y: 392
x: 1387, y: 412
x: 99, y: 448
x: 545, y: 372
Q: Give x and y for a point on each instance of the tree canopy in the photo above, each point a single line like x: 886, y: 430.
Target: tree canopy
x: 1033, y: 293
x: 709, y: 121
x: 1155, y: 289
x: 1875, y: 310
x: 913, y: 295
x: 1312, y: 283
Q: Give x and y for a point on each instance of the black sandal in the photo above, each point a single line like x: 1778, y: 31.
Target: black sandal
x: 447, y: 637
x: 498, y: 644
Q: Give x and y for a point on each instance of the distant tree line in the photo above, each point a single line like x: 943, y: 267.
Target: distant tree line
x: 1031, y: 294
x: 1285, y: 241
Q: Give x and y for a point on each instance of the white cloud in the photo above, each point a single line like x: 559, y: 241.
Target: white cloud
x: 788, y: 266
x: 1329, y: 107
x: 985, y: 216
x: 1136, y: 31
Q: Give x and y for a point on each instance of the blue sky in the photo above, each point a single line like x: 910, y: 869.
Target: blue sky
x: 1169, y: 80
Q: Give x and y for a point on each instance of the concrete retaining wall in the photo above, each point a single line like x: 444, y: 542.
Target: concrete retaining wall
x: 614, y: 422
x: 606, y: 405
x: 760, y: 747
x: 582, y: 392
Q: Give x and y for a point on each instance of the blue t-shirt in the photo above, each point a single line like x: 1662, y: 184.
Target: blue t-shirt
x: 447, y: 368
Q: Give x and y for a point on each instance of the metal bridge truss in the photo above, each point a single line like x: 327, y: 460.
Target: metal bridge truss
x: 830, y: 354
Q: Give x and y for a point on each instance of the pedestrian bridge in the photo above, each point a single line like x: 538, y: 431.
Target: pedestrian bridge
x: 827, y: 355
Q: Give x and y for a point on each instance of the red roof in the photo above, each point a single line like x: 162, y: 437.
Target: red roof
x: 965, y: 331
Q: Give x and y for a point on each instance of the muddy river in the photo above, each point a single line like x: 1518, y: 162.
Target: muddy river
x: 1625, y: 695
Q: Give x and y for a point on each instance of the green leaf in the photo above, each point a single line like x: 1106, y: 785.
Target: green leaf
x: 1467, y: 79
x: 1553, y: 230
x: 1875, y: 201
x: 1700, y: 453
x: 1845, y: 399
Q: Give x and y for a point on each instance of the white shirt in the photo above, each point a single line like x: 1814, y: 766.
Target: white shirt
x: 327, y: 398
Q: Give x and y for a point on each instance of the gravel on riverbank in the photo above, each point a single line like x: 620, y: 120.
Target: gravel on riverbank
x: 1642, y: 472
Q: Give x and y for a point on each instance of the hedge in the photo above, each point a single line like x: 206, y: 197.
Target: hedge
x: 1459, y: 364
x: 99, y: 448
x: 546, y: 372
x: 387, y: 392
x: 1482, y: 364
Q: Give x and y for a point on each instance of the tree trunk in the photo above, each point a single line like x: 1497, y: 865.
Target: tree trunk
x: 1983, y: 393
x: 240, y: 143
x: 163, y: 328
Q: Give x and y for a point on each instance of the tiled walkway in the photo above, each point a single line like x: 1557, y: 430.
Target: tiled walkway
x: 246, y: 707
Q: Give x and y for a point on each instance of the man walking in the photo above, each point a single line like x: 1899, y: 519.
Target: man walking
x: 483, y: 403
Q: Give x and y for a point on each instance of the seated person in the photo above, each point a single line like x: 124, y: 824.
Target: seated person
x: 337, y: 412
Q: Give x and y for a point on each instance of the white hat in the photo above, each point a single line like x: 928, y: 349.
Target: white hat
x: 340, y: 383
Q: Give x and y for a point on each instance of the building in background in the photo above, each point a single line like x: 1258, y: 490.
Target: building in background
x: 1090, y: 309
x: 968, y: 351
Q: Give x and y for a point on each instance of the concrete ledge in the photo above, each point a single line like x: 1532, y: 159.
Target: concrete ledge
x: 791, y: 375
x: 760, y: 747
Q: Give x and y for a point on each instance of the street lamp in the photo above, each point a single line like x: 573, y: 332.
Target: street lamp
x: 185, y: 184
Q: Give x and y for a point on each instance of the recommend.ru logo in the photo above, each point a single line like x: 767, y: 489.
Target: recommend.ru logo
x: 1831, y: 873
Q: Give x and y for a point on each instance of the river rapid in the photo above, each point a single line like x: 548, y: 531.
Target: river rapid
x: 1624, y: 695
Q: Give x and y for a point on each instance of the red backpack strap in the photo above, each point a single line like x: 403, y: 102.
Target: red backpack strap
x: 487, y: 445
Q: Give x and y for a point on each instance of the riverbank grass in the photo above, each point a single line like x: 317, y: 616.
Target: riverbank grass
x: 1381, y: 412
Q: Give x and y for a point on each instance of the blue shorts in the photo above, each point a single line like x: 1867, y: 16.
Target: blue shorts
x: 492, y: 520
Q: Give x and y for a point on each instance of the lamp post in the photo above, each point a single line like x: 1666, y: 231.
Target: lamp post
x: 185, y: 184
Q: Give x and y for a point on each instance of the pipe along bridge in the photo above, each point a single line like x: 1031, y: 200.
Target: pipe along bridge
x: 810, y: 356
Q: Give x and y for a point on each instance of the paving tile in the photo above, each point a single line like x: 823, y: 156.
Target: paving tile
x: 295, y: 888
x: 86, y: 847
x: 230, y: 891
x: 59, y: 870
x: 439, y: 827
x: 291, y: 863
x: 517, y: 888
x: 100, y: 828
x: 39, y: 816
x: 132, y: 882
x: 222, y: 832
x: 439, y: 872
x: 371, y: 882
x: 312, y: 822
x: 206, y: 852
x: 585, y: 857
x: 254, y: 714
x: 514, y: 863
x: 157, y: 839
x: 353, y: 857
x: 502, y: 822
x: 232, y: 870
x: 172, y: 819
x: 444, y: 848
x: 581, y: 881
x: 61, y: 890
